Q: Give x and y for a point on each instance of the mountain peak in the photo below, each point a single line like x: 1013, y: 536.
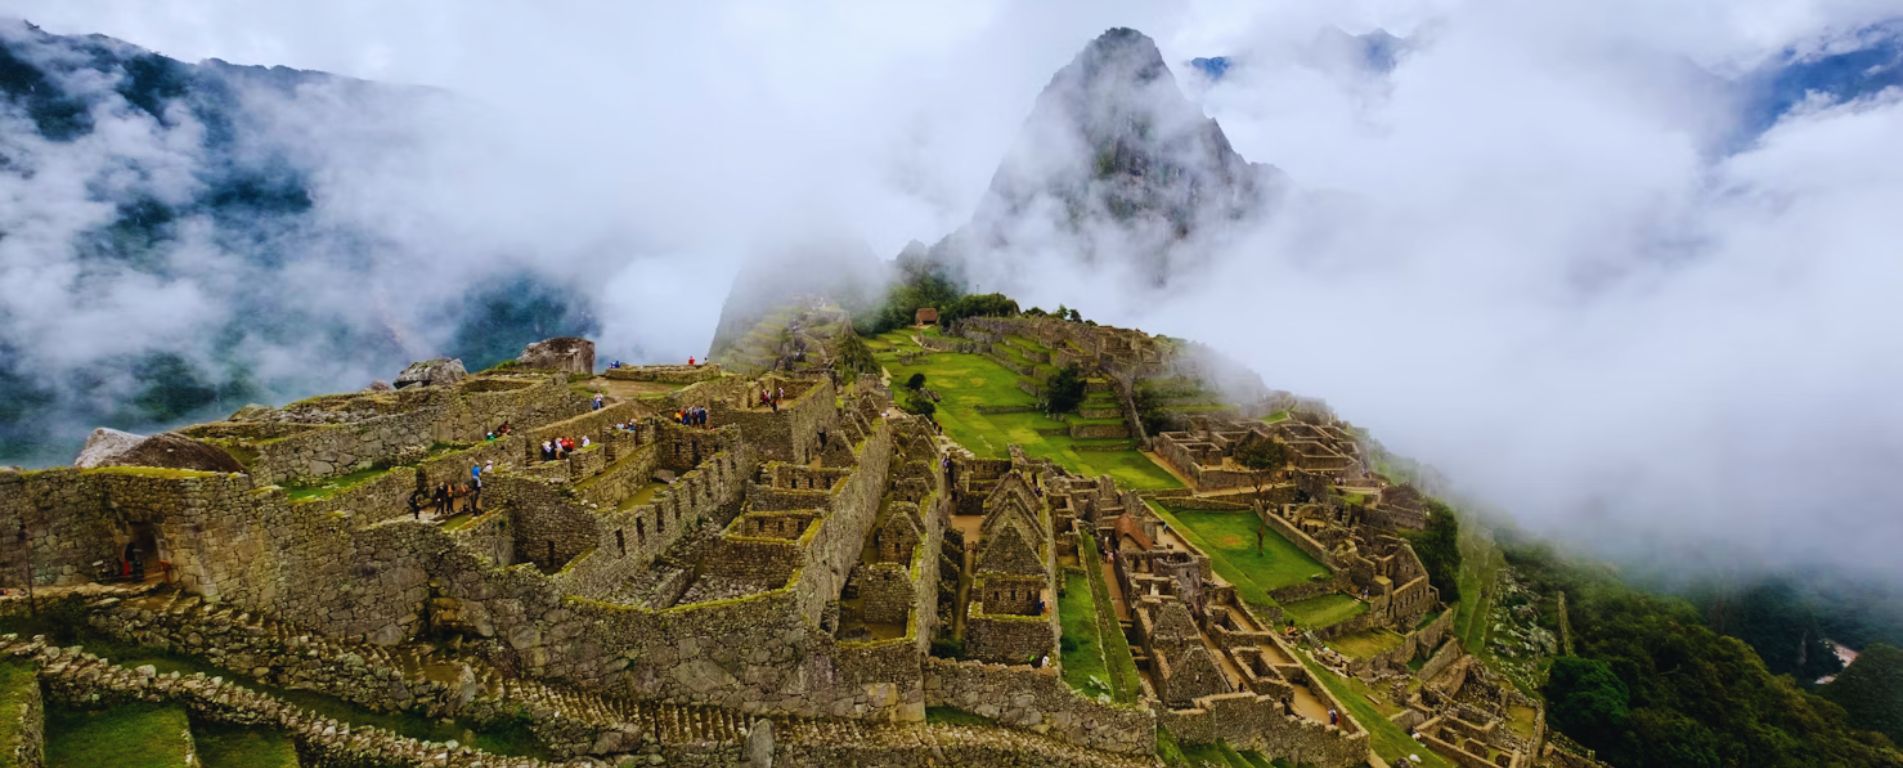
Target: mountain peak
x: 1114, y: 151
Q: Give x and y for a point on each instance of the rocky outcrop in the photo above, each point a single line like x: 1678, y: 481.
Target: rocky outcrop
x: 429, y: 373
x: 103, y: 444
x: 562, y: 354
x: 113, y: 448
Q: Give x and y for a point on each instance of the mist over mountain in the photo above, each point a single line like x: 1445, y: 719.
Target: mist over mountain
x: 180, y: 239
x: 1114, y: 169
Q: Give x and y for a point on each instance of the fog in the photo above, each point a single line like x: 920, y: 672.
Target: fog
x: 1542, y: 253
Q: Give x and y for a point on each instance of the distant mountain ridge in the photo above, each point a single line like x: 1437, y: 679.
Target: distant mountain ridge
x: 175, y: 211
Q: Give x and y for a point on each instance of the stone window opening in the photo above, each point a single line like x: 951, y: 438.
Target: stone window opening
x: 621, y: 542
x: 551, y: 552
x: 640, y: 531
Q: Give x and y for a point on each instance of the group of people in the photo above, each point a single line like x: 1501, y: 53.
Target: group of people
x: 770, y: 397
x: 691, y: 416
x: 559, y: 447
x: 500, y: 431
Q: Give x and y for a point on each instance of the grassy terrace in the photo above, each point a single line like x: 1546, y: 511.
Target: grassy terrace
x: 1121, y: 665
x: 1387, y: 739
x: 221, y: 746
x: 966, y: 381
x: 511, y: 740
x: 125, y: 736
x: 1361, y: 645
x: 1229, y: 540
x: 1325, y: 611
x: 1082, y: 657
x: 16, y: 684
x: 1480, y: 563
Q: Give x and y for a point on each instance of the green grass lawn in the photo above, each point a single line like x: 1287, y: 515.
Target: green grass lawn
x: 1386, y: 738
x: 336, y: 484
x: 1229, y: 540
x: 1325, y: 611
x: 1361, y: 645
x: 223, y: 746
x: 1121, y: 665
x: 125, y: 736
x: 1082, y: 659
x: 966, y: 381
x: 17, y: 682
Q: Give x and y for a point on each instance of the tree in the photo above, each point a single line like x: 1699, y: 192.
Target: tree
x: 1262, y: 455
x: 916, y: 381
x: 854, y: 356
x: 1439, y: 549
x: 1585, y: 699
x: 1871, y: 691
x: 1064, y: 390
x: 918, y: 403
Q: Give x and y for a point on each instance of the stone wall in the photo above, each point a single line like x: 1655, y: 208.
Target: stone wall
x: 75, y: 517
x: 1038, y: 700
x: 1248, y: 721
x: 665, y: 374
x: 1007, y: 639
x: 886, y: 592
x: 430, y: 416
x: 1301, y: 540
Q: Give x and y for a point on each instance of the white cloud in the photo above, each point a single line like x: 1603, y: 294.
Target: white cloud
x: 1524, y: 256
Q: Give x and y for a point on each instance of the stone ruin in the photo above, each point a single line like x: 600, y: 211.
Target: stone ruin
x: 664, y: 591
x: 563, y: 354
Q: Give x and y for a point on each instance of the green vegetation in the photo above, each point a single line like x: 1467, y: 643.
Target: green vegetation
x: 1439, y: 549
x: 854, y: 357
x: 1064, y: 390
x: 221, y: 746
x: 17, y: 684
x: 63, y: 621
x: 1586, y: 699
x: 916, y: 381
x: 923, y: 284
x: 1692, y: 697
x: 1082, y: 657
x: 955, y: 716
x: 1363, y: 645
x: 1262, y: 456
x: 1325, y: 610
x: 1386, y: 738
x: 1871, y: 691
x: 1125, y: 688
x: 1229, y: 538
x: 1480, y: 564
x: 336, y: 485
x: 125, y: 736
x: 964, y: 382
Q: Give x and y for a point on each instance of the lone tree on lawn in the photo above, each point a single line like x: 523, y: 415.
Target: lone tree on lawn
x: 1262, y: 456
x: 1064, y: 391
x: 916, y: 381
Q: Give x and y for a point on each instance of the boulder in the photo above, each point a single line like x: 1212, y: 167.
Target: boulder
x: 562, y: 354
x: 103, y: 444
x: 166, y: 450
x: 429, y: 373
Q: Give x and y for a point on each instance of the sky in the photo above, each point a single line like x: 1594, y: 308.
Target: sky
x: 1536, y: 254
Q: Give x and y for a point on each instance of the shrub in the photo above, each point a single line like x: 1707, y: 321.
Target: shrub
x: 916, y: 381
x: 1064, y: 390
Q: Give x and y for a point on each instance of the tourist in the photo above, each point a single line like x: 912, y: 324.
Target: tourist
x: 475, y: 474
x: 584, y: 441
x: 598, y: 401
x: 416, y: 504
x: 548, y: 450
x: 690, y: 361
x: 442, y: 500
x: 1334, y: 718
